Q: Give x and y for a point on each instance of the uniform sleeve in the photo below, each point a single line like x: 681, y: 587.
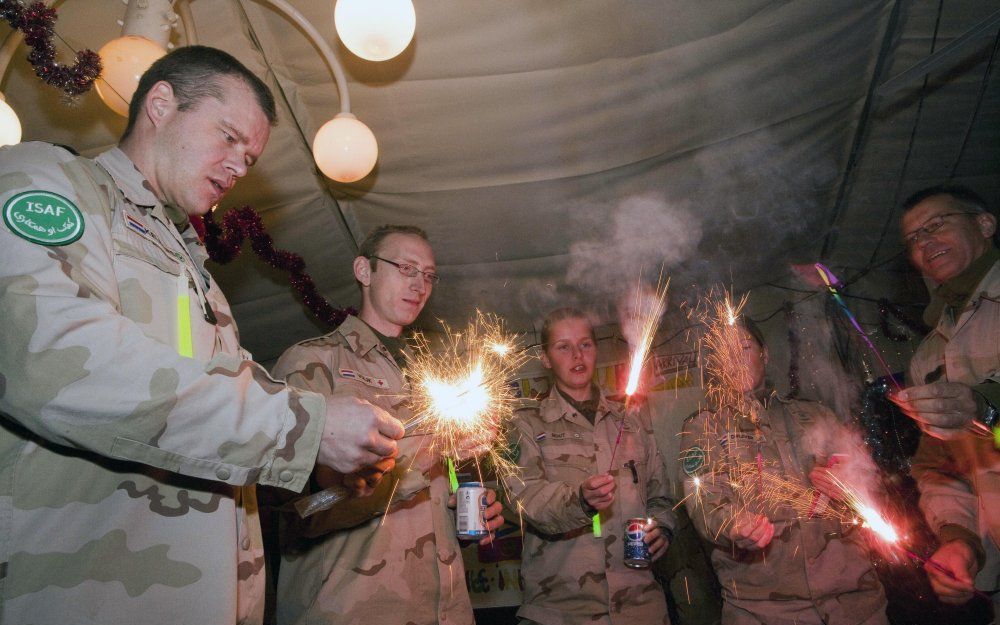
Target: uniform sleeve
x: 946, y: 495
x: 78, y: 373
x: 311, y: 368
x: 659, y: 504
x: 710, y: 501
x: 550, y: 507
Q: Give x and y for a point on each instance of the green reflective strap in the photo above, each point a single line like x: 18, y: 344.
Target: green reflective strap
x: 184, y: 345
x: 452, y: 476
x: 596, y: 520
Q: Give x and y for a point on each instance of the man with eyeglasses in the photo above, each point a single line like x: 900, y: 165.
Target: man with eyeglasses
x: 390, y: 556
x: 954, y: 393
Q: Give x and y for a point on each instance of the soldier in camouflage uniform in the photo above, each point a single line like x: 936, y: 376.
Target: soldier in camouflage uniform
x: 574, y: 574
x: 130, y: 442
x: 948, y: 232
x: 783, y: 568
x: 391, y: 557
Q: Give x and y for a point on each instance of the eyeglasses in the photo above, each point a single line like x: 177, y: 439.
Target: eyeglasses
x: 930, y: 226
x: 409, y: 270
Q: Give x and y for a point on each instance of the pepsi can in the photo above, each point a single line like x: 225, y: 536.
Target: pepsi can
x: 469, y: 513
x: 636, y: 549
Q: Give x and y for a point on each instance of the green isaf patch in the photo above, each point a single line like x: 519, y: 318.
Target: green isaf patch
x: 43, y: 217
x: 693, y: 459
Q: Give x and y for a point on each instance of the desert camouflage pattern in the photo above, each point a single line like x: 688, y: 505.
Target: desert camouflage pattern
x: 127, y: 472
x: 571, y: 576
x: 959, y: 480
x: 391, y: 558
x: 815, y: 570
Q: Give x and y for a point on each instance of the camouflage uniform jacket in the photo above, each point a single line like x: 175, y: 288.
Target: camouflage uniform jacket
x: 570, y: 575
x: 127, y: 470
x: 959, y: 480
x: 815, y: 569
x: 386, y: 561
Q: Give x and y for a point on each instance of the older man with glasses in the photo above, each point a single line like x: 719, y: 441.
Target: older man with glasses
x: 389, y: 556
x: 954, y: 393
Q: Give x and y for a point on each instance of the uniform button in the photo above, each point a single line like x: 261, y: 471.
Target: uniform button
x: 245, y: 543
x: 286, y: 476
x: 576, y: 436
x: 436, y: 501
x: 223, y: 473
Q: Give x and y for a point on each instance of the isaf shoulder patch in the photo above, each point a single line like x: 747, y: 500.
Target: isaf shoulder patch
x: 693, y: 460
x: 43, y: 217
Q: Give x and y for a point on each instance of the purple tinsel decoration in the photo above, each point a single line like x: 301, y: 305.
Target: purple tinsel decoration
x: 37, y: 22
x: 223, y: 244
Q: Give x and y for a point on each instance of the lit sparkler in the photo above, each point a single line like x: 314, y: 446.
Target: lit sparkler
x: 639, y: 324
x: 833, y: 284
x: 460, y: 396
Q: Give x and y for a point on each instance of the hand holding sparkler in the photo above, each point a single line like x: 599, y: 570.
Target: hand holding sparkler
x: 752, y: 533
x: 951, y: 571
x: 826, y: 479
x: 598, y: 491
x: 356, y: 434
x: 945, y: 410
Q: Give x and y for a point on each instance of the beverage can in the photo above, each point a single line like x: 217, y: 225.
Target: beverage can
x: 469, y: 513
x: 636, y: 549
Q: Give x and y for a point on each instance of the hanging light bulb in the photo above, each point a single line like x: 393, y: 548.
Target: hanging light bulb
x: 345, y: 149
x: 146, y: 32
x: 10, y: 125
x: 376, y: 30
x: 125, y: 60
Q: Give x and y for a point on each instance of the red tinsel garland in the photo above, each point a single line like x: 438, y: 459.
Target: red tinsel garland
x: 223, y: 244
x: 37, y: 22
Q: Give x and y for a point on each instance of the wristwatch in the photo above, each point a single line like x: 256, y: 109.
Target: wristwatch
x: 987, y: 421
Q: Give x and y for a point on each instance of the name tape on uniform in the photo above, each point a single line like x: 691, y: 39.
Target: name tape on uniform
x: 351, y: 374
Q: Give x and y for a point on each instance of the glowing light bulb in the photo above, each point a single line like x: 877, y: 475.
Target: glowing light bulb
x: 376, y: 30
x: 124, y: 60
x: 345, y: 149
x: 10, y: 125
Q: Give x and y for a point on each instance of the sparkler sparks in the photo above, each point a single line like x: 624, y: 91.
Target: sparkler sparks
x: 461, y: 398
x: 462, y: 395
x: 640, y: 320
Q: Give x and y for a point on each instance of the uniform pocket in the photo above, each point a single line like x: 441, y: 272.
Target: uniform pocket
x: 147, y: 278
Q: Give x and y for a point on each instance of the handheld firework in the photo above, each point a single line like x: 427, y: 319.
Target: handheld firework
x: 834, y: 285
x: 639, y: 327
x: 460, y: 396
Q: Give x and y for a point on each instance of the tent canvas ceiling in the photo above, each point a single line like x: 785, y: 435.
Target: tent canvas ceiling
x: 555, y: 150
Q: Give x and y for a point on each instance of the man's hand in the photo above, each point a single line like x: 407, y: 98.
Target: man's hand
x: 752, y: 533
x: 944, y: 410
x: 824, y: 479
x: 656, y: 541
x: 356, y: 435
x: 957, y: 557
x: 598, y: 491
x: 492, y: 516
x: 362, y: 483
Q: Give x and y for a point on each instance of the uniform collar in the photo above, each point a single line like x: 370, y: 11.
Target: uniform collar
x: 133, y: 184
x: 128, y: 178
x: 361, y: 339
x: 555, y: 407
x: 957, y: 292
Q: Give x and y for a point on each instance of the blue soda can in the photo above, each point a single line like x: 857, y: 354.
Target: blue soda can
x: 636, y: 549
x: 469, y: 513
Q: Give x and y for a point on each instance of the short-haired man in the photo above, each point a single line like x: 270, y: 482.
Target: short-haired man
x: 948, y: 235
x: 132, y: 426
x: 390, y: 557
